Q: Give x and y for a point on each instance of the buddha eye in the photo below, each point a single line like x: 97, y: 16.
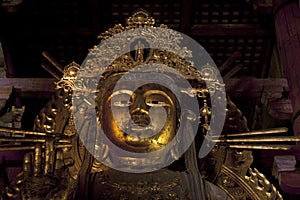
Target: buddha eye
x: 157, y: 98
x: 157, y: 103
x: 121, y: 103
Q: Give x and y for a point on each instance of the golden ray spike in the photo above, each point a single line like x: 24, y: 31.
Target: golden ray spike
x: 16, y: 148
x: 260, y: 132
x: 63, y: 141
x: 7, y: 147
x: 266, y: 146
x: 63, y: 145
x: 13, y: 133
x: 33, y: 140
x: 260, y: 139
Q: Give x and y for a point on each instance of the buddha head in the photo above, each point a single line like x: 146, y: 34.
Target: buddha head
x: 145, y: 86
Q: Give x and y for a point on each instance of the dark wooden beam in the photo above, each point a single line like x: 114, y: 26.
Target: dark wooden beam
x: 30, y: 87
x: 228, y: 29
x: 232, y: 72
x: 254, y: 87
x: 229, y: 61
x: 235, y: 87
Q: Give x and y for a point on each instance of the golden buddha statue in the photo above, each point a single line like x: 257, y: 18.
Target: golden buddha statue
x: 140, y: 118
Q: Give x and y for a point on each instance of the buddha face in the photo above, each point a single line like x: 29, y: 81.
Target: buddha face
x: 139, y: 121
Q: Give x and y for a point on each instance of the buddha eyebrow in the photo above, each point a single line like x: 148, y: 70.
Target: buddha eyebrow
x: 156, y: 92
x: 149, y: 92
x: 129, y: 92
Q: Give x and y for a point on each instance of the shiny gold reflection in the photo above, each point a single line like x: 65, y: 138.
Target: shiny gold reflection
x: 143, y: 120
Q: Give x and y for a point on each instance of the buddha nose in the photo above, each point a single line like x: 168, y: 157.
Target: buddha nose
x: 139, y: 113
x: 140, y: 117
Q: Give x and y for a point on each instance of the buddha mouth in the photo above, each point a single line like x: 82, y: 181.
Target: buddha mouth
x: 140, y: 120
x: 139, y: 131
x: 139, y: 136
x: 141, y: 128
x: 136, y: 139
